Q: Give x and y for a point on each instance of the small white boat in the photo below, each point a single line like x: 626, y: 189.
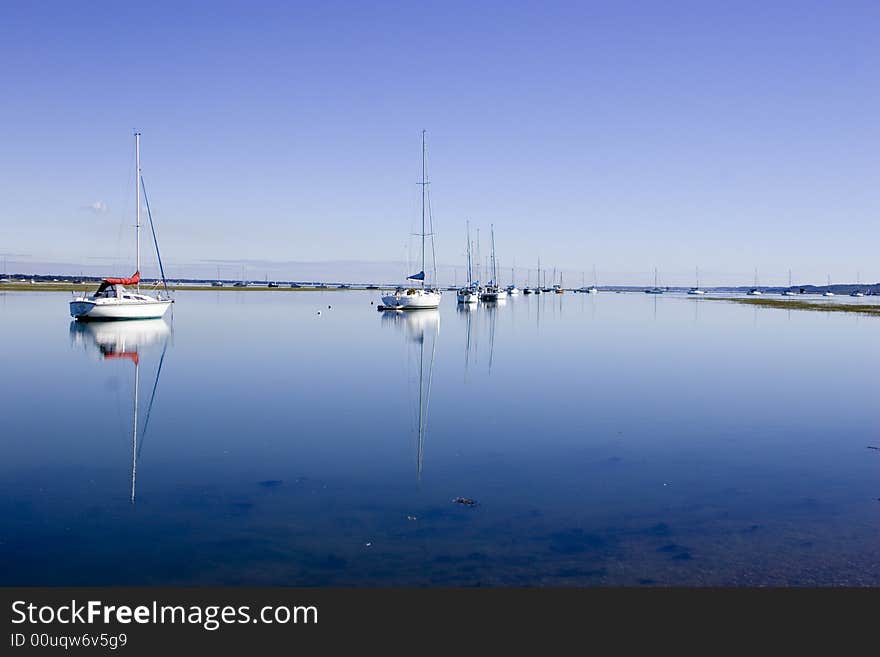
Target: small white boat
x: 112, y: 300
x: 413, y: 298
x: 755, y: 291
x: 697, y: 289
x: 856, y: 293
x: 789, y: 292
x: 467, y: 295
x: 656, y: 289
x: 512, y: 290
x: 423, y: 297
x: 493, y: 292
x: 828, y: 292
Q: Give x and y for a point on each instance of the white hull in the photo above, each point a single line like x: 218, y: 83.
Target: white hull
x: 828, y: 294
x: 788, y: 294
x: 467, y: 296
x: 412, y: 299
x: 754, y: 293
x: 513, y: 291
x: 696, y: 291
x: 84, y: 308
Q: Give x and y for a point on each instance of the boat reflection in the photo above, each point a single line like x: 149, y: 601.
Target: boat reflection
x: 422, y: 328
x: 127, y: 341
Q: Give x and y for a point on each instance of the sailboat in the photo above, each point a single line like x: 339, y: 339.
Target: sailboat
x: 789, y: 292
x: 422, y: 297
x: 558, y: 286
x: 112, y: 300
x: 656, y: 289
x: 527, y: 289
x: 493, y: 291
x: 512, y: 289
x: 468, y: 293
x: 828, y: 292
x: 125, y: 341
x: 755, y: 292
x: 538, y: 289
x: 697, y: 290
x: 858, y: 291
x: 593, y: 289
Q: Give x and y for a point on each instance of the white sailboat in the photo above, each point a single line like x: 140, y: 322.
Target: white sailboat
x: 538, y: 289
x: 512, y: 289
x: 697, y: 289
x: 789, y: 292
x: 755, y: 291
x: 493, y: 292
x: 468, y: 293
x: 422, y: 297
x: 594, y: 289
x: 112, y: 300
x: 656, y: 289
x: 828, y: 292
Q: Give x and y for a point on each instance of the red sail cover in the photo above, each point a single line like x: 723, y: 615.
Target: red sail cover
x: 131, y: 280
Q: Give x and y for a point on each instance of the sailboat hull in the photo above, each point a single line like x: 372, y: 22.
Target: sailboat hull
x: 413, y: 299
x: 84, y: 309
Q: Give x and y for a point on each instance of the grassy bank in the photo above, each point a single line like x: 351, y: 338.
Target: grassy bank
x: 785, y: 304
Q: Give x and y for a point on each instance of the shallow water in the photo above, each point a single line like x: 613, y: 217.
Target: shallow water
x: 615, y: 439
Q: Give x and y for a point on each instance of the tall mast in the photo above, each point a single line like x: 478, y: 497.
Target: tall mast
x: 137, y: 203
x: 468, y: 236
x: 494, y: 269
x: 424, y: 186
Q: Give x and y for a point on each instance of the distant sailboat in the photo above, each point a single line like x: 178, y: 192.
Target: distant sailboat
x: 468, y: 293
x: 828, y: 292
x: 423, y: 297
x: 697, y: 290
x: 858, y: 291
x: 755, y: 291
x: 512, y: 289
x: 112, y: 300
x: 594, y: 289
x: 538, y: 289
x: 493, y: 291
x: 656, y: 289
x: 789, y: 292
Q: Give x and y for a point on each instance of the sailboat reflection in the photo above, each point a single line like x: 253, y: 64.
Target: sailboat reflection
x: 420, y: 328
x: 127, y: 341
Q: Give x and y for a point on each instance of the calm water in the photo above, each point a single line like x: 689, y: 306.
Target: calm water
x: 610, y: 439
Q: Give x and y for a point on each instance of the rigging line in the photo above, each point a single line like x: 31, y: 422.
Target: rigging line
x: 152, y: 397
x: 153, y: 231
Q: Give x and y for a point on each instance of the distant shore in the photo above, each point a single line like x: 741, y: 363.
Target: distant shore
x: 821, y: 306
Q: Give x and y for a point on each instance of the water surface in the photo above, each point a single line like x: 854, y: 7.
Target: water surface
x: 305, y: 438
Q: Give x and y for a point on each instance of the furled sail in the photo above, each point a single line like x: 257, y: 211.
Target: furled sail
x: 131, y: 280
x: 417, y: 277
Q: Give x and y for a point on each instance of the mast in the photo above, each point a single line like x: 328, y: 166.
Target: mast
x: 655, y: 278
x: 137, y: 203
x: 595, y: 277
x: 494, y: 269
x: 424, y: 184
x: 470, y: 274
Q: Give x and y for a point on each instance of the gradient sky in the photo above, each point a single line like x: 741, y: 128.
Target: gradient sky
x: 726, y: 135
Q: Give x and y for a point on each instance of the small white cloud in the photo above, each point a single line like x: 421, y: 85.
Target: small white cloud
x: 98, y: 207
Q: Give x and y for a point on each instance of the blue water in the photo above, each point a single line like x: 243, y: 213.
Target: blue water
x: 616, y: 439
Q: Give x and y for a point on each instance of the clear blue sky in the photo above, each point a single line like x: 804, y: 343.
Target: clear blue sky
x: 724, y: 135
